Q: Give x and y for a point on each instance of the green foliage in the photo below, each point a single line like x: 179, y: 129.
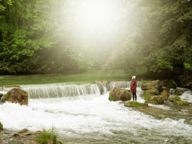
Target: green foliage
x: 171, y: 84
x: 47, y: 137
x: 33, y: 39
x: 164, y: 41
x: 27, y: 32
x: 187, y: 66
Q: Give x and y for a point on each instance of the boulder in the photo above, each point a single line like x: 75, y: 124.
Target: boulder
x: 150, y: 85
x: 135, y: 104
x: 156, y: 92
x: 1, y: 126
x: 165, y: 93
x: 153, y: 91
x: 16, y: 95
x: 118, y: 94
x: 157, y: 100
x: 176, y: 100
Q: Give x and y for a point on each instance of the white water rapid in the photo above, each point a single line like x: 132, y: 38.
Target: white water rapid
x: 93, y: 115
x: 187, y: 96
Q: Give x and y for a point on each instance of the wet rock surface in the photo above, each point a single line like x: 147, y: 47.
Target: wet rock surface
x: 16, y: 95
x: 118, y: 94
x: 157, y: 93
x: 23, y: 137
x: 175, y: 112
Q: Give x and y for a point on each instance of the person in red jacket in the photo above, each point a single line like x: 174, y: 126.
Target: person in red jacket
x: 133, y: 87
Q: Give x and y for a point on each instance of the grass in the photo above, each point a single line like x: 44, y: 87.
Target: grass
x: 61, y: 78
x: 135, y: 104
x: 46, y: 137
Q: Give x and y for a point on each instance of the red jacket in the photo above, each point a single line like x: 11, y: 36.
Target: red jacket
x: 133, y: 86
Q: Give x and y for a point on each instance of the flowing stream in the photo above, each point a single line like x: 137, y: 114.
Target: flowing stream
x: 81, y: 115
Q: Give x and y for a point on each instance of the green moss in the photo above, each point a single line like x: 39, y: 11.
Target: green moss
x: 182, y: 103
x: 177, y: 101
x: 157, y: 100
x: 46, y: 137
x: 146, y: 96
x: 110, y: 97
x: 135, y: 104
x: 1, y: 126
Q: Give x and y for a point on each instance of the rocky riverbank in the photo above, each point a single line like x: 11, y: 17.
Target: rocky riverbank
x: 28, y: 137
x: 162, y: 99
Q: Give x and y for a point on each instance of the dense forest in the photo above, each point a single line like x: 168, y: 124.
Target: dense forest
x: 39, y: 36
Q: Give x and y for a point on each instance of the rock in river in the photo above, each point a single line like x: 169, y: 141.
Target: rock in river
x: 118, y: 94
x: 16, y: 95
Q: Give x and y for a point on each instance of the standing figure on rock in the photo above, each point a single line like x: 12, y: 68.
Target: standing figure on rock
x: 133, y: 88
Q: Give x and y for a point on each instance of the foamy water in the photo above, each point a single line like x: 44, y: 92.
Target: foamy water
x: 90, y: 117
x: 86, y: 114
x: 187, y: 96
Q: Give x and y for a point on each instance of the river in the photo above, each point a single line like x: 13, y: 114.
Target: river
x: 92, y: 118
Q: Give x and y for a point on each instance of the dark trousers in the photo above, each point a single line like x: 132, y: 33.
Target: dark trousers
x: 134, y: 96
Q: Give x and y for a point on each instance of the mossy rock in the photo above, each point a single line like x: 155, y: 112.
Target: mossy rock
x: 165, y: 93
x: 176, y: 100
x: 16, y: 95
x: 153, y: 91
x: 150, y: 85
x: 118, y: 94
x: 1, y: 126
x: 157, y: 100
x: 146, y: 96
x: 135, y: 104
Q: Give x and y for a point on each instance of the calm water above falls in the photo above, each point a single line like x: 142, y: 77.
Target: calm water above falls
x: 93, y: 119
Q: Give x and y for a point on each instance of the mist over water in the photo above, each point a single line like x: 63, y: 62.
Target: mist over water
x: 85, y: 118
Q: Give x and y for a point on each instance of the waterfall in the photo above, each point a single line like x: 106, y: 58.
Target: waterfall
x: 106, y: 86
x: 119, y: 84
x: 64, y: 90
x: 60, y: 90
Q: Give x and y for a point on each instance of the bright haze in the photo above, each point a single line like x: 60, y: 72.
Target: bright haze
x: 97, y: 28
